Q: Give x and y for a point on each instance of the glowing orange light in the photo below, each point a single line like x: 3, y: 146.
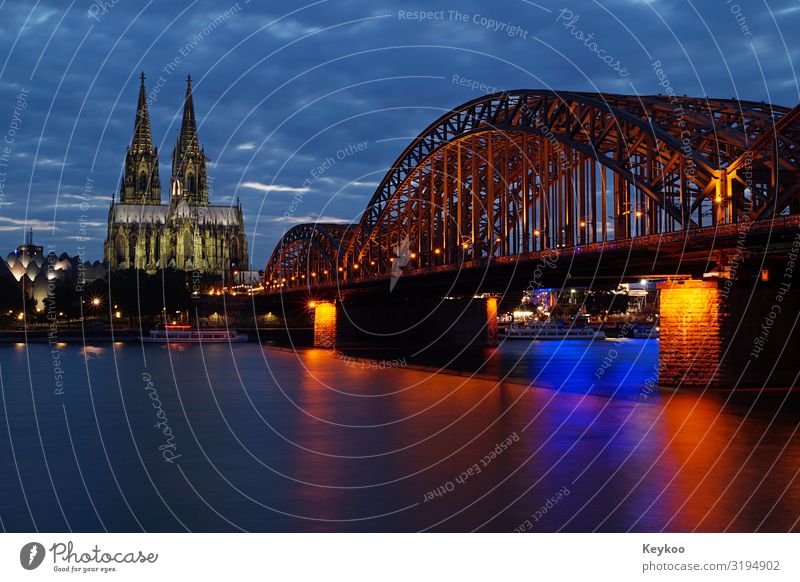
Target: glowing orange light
x: 465, y: 246
x: 718, y: 199
x: 355, y: 266
x: 583, y: 223
x: 96, y: 301
x: 324, y: 324
x: 312, y: 304
x: 438, y: 251
x: 638, y: 214
x: 413, y: 255
x: 340, y: 269
x: 536, y: 232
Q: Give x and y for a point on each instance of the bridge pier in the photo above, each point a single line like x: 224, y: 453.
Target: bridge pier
x: 449, y: 323
x: 729, y: 334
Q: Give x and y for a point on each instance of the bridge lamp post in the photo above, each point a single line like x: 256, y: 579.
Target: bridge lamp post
x: 465, y: 248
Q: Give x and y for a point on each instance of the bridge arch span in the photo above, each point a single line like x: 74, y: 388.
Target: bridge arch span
x: 306, y: 255
x: 523, y: 171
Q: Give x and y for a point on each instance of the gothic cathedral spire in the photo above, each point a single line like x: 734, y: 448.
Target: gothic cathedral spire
x: 188, y: 158
x: 140, y: 182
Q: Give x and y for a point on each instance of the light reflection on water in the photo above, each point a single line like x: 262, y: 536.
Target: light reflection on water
x: 273, y: 440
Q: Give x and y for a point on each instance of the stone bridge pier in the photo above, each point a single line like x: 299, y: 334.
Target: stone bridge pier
x: 730, y: 334
x: 449, y: 323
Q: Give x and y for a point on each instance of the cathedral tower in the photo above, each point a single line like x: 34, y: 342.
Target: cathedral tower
x: 140, y: 181
x: 184, y: 234
x: 188, y: 158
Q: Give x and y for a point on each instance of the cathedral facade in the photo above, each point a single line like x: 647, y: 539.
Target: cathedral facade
x: 185, y: 233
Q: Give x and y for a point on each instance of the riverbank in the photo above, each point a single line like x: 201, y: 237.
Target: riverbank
x: 298, y: 336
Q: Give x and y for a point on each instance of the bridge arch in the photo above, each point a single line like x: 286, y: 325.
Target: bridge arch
x: 306, y: 255
x: 523, y: 171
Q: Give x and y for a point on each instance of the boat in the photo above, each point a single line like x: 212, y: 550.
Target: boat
x: 186, y: 334
x: 538, y: 330
x: 645, y: 330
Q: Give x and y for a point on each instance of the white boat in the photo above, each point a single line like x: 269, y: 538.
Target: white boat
x: 539, y: 330
x: 645, y: 330
x: 185, y: 334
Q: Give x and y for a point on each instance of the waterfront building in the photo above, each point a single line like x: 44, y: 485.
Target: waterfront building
x: 187, y: 233
x: 36, y: 272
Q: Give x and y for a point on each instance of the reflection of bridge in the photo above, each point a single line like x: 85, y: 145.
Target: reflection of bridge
x: 615, y: 186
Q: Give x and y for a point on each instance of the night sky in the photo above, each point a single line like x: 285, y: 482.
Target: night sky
x: 286, y: 91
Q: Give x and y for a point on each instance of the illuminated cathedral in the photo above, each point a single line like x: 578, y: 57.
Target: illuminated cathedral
x: 187, y: 233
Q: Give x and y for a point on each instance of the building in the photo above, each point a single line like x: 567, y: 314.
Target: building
x: 187, y: 233
x: 37, y: 272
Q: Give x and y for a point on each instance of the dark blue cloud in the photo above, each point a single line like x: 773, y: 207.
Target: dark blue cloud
x: 281, y: 87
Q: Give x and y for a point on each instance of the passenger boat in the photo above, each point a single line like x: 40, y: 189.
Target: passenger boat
x: 538, y: 330
x: 645, y: 330
x: 185, y: 334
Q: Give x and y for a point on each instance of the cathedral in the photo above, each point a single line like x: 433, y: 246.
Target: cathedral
x: 187, y: 233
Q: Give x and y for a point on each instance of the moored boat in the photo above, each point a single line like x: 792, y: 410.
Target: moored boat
x: 186, y: 334
x: 537, y: 330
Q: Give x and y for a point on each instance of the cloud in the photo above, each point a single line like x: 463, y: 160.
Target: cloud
x: 271, y: 187
x: 310, y: 218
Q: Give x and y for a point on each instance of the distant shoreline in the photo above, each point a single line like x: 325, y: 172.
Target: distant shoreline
x: 89, y: 336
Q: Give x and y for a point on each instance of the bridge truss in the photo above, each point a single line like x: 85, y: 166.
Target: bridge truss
x: 518, y: 172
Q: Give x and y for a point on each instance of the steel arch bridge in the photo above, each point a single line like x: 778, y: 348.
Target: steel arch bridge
x: 308, y: 254
x: 529, y: 170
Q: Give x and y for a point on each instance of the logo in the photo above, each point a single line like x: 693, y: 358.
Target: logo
x: 31, y: 555
x: 403, y: 251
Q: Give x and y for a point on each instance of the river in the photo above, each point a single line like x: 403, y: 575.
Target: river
x: 125, y: 437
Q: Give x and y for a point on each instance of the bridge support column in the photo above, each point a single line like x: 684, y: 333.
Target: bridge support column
x: 446, y: 323
x: 726, y: 333
x: 324, y: 324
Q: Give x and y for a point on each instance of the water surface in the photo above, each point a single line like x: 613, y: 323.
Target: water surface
x: 263, y: 439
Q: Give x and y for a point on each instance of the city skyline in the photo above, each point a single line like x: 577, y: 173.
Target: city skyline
x: 281, y: 124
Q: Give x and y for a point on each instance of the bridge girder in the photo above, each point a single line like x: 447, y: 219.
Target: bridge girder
x: 523, y: 171
x: 306, y: 254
